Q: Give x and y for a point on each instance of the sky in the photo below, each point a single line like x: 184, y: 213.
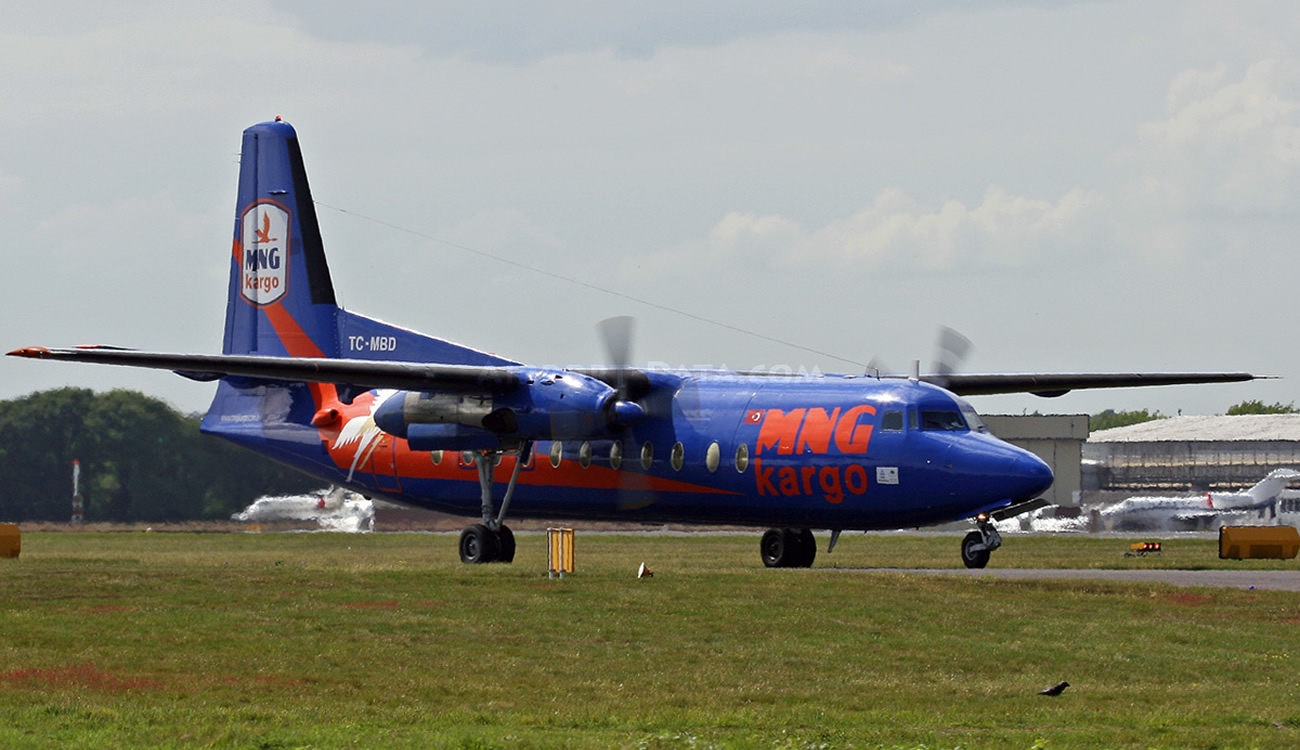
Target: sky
x: 1075, y: 186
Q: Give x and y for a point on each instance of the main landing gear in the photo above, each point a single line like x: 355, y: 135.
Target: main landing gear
x: 492, y: 540
x: 977, y: 545
x: 788, y: 548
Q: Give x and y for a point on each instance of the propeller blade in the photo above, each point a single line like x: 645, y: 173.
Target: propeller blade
x: 616, y: 333
x: 950, y: 351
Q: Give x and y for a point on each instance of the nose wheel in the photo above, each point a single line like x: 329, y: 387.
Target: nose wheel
x: 978, y: 545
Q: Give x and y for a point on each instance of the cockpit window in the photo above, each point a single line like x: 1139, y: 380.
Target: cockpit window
x: 942, y: 420
x: 972, y: 418
x: 893, y: 420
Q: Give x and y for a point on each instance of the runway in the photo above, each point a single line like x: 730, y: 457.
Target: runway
x: 1274, y: 580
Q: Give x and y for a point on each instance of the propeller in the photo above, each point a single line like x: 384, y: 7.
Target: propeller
x: 950, y: 351
x: 616, y: 334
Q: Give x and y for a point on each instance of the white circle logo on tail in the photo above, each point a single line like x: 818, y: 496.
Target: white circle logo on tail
x: 265, y: 265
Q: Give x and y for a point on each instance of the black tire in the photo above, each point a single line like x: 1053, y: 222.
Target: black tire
x: 807, y: 548
x: 478, y: 545
x: 773, y: 548
x: 505, y: 545
x: 972, y: 557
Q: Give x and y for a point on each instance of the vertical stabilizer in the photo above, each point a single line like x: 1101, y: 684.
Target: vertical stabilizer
x: 281, y: 300
x: 1272, y: 485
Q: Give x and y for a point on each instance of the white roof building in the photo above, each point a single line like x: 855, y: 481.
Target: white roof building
x: 1200, y: 452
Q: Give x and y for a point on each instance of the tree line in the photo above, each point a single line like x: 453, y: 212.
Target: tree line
x: 1109, y: 418
x: 141, y: 460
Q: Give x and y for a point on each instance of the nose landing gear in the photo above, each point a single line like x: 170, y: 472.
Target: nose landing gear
x: 978, y: 545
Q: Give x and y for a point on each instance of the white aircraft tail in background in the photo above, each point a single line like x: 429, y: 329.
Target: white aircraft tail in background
x: 1200, y: 512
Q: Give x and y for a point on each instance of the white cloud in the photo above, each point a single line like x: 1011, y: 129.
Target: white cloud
x: 902, y: 234
x: 1217, y: 177
x: 1230, y: 147
x: 1209, y: 180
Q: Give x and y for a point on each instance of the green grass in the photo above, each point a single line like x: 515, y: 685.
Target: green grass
x: 326, y: 640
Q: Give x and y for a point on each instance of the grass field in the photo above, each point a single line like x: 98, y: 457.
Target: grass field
x: 327, y: 640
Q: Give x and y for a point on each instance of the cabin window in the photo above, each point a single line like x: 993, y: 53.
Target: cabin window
x: 584, y: 454
x: 557, y: 453
x: 713, y: 456
x: 742, y: 457
x: 616, y: 455
x: 647, y: 455
x: 935, y: 419
x: 436, y: 456
x: 892, y: 420
x: 678, y: 456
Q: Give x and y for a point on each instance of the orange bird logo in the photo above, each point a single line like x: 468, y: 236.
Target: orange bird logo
x: 264, y: 234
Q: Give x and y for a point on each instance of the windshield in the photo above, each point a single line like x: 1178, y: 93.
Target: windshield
x: 934, y: 419
x: 972, y: 418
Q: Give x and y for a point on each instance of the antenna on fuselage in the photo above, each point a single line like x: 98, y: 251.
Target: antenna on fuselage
x: 915, y: 375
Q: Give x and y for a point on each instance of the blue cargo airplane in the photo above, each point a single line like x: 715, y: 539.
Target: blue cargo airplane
x: 389, y: 412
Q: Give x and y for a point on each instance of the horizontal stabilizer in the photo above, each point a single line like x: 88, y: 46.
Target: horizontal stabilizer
x: 364, y: 373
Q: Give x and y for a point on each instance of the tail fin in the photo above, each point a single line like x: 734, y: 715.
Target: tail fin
x: 281, y: 301
x: 1272, y: 485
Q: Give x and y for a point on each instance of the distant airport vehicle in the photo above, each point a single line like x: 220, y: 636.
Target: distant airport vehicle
x: 389, y: 412
x: 1203, y: 512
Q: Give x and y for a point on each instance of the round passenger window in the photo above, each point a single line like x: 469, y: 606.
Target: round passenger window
x: 713, y: 456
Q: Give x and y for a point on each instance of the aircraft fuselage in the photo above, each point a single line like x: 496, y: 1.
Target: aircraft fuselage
x: 840, y: 452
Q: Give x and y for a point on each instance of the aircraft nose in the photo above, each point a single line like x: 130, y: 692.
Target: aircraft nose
x: 1031, y: 476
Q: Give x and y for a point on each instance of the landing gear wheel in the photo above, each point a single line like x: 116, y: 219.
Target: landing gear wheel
x: 806, y: 544
x: 506, y: 540
x: 971, y: 555
x: 479, y: 545
x: 788, y: 548
x: 772, y: 547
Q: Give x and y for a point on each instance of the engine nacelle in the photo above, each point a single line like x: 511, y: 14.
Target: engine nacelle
x: 554, y: 405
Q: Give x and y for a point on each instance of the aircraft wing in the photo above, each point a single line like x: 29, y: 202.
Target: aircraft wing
x: 1050, y: 385
x: 497, y: 379
x: 355, y: 372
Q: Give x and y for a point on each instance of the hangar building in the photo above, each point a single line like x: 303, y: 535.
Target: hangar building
x: 1203, y: 453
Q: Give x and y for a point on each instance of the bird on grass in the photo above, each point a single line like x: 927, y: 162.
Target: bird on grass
x: 1056, y: 689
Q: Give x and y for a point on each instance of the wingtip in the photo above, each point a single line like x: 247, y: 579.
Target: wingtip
x: 31, y: 352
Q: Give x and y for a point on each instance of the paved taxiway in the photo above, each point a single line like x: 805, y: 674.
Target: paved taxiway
x: 1277, y: 580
